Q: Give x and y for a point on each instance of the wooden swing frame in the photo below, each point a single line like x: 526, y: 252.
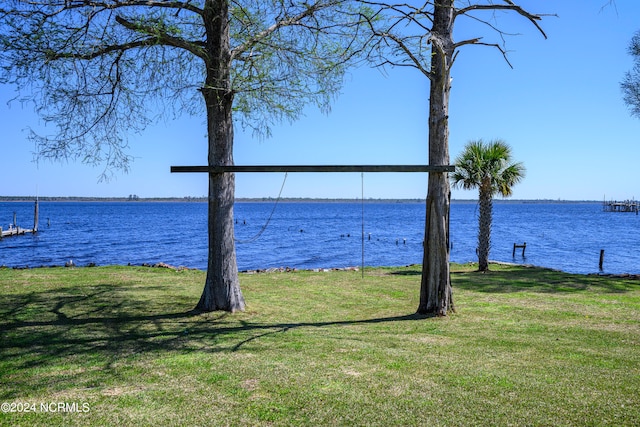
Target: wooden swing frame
x: 314, y: 169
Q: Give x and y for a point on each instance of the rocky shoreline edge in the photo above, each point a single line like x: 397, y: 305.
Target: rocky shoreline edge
x: 71, y: 264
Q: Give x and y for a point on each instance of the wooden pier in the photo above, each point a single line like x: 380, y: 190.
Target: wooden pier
x: 15, y: 230
x: 623, y: 206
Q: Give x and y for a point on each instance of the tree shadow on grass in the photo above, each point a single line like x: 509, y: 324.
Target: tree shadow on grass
x: 407, y: 272
x: 534, y: 279
x: 103, y: 328
x: 505, y: 279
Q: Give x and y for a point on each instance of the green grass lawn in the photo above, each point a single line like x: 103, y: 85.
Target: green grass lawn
x: 119, y: 346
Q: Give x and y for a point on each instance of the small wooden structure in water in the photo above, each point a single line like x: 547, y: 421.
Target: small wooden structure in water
x: 15, y: 230
x: 624, y: 206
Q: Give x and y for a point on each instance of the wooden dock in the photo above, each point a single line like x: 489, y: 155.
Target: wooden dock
x: 15, y: 230
x: 623, y: 206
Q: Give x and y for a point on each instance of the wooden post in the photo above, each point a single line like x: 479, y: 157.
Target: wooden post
x: 601, y: 259
x: 516, y: 246
x: 35, y: 217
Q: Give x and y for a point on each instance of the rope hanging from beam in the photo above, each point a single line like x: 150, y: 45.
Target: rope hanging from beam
x: 362, y: 203
x: 266, y: 224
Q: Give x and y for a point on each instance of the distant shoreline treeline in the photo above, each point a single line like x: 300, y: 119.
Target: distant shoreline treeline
x: 262, y: 199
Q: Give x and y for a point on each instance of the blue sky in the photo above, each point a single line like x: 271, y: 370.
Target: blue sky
x: 560, y: 108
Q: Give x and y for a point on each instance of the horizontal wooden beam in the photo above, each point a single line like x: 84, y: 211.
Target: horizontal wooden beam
x: 314, y: 168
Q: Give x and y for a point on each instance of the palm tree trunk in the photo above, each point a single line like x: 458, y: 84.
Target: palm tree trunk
x: 484, y: 228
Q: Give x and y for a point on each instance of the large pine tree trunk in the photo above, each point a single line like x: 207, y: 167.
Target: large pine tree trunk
x: 222, y: 287
x: 435, y: 293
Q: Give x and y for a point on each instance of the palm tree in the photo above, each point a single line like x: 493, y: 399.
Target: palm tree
x: 489, y: 168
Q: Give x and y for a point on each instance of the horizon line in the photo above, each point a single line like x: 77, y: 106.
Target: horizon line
x: 135, y: 198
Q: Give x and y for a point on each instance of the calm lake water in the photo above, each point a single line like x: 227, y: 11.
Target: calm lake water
x: 564, y: 236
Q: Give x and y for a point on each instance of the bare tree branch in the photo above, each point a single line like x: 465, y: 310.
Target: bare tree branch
x: 416, y: 62
x: 510, y: 6
x: 478, y: 42
x: 409, y: 30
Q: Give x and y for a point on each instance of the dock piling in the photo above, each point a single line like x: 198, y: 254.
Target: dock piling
x: 516, y: 246
x: 601, y: 259
x: 35, y: 217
